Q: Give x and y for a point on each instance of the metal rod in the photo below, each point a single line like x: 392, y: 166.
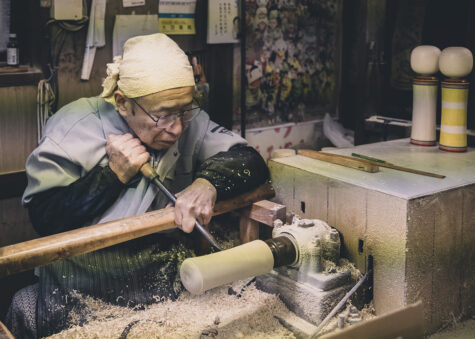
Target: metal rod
x: 338, y: 306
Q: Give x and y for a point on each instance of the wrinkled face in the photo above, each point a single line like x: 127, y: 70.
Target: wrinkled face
x: 158, y: 104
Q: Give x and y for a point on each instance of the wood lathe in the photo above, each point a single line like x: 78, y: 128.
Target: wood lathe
x: 291, y: 264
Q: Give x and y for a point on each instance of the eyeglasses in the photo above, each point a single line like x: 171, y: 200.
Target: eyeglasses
x: 165, y: 121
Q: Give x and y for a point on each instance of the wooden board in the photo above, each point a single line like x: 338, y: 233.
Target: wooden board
x: 13, y: 69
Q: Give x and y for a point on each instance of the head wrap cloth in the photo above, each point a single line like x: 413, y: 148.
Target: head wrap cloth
x: 150, y: 64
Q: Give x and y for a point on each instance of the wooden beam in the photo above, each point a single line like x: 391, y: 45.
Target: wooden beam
x: 263, y: 211
x: 248, y: 228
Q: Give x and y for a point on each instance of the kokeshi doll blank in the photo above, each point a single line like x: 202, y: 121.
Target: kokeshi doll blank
x: 200, y: 274
x: 423, y: 132
x: 424, y: 61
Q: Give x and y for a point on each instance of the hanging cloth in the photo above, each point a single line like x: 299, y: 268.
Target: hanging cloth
x: 95, y: 36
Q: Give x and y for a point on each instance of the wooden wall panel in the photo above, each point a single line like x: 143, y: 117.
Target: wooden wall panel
x: 15, y: 224
x: 18, y: 133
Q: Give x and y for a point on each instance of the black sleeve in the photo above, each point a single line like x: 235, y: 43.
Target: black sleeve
x: 62, y: 209
x: 234, y: 172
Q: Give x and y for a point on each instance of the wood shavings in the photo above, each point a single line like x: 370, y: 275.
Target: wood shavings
x: 215, y: 313
x: 343, y: 265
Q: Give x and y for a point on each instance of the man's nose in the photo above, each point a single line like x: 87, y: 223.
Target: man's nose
x: 176, y: 127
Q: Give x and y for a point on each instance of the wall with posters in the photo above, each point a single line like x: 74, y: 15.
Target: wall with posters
x: 292, y: 60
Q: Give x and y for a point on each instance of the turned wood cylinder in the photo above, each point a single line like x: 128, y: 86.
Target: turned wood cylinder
x: 455, y: 63
x: 453, y: 124
x: 254, y: 258
x: 425, y: 61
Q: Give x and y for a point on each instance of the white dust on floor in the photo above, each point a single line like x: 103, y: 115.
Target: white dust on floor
x: 215, y: 313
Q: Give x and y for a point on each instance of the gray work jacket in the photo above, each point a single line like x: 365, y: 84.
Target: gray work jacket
x: 74, y: 142
x: 132, y: 273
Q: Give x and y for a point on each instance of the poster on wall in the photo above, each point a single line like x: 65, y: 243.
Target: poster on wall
x: 176, y: 17
x: 292, y: 60
x: 223, y: 22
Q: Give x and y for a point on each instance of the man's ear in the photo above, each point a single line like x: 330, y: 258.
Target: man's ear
x: 123, y: 105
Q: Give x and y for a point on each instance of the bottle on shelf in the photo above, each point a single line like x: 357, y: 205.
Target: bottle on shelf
x: 13, y: 55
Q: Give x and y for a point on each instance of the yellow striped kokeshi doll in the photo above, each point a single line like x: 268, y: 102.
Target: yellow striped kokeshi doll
x: 455, y: 63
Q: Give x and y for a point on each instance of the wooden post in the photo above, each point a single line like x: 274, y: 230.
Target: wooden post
x: 263, y: 211
x: 248, y: 228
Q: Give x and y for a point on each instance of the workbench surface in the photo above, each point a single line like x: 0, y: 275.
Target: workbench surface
x: 459, y: 168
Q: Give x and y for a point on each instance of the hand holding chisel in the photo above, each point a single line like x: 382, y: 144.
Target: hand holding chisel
x: 148, y: 171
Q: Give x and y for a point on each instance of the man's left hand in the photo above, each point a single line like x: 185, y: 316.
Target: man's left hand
x: 195, y: 202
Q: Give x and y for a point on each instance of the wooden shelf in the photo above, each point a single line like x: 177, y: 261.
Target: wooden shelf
x: 31, y: 77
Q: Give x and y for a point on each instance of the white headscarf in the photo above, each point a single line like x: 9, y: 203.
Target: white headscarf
x: 150, y: 64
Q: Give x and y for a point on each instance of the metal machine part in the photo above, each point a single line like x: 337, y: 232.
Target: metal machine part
x: 306, y: 285
x: 314, y: 241
x: 283, y: 250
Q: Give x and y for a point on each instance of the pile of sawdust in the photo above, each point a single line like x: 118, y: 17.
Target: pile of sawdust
x: 217, y: 313
x: 343, y: 265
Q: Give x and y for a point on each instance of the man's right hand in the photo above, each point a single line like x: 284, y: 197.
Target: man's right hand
x: 126, y: 155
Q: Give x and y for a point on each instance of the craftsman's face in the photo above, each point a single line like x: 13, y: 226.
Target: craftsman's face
x: 158, y: 104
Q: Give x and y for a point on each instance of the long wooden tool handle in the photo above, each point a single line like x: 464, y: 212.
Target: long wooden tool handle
x: 411, y: 170
x: 38, y: 252
x: 339, y: 160
x: 386, y: 164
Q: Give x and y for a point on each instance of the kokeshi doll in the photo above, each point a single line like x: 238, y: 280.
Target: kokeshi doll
x: 424, y: 61
x: 455, y: 63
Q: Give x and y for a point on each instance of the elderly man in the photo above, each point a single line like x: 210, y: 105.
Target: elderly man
x: 86, y: 171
